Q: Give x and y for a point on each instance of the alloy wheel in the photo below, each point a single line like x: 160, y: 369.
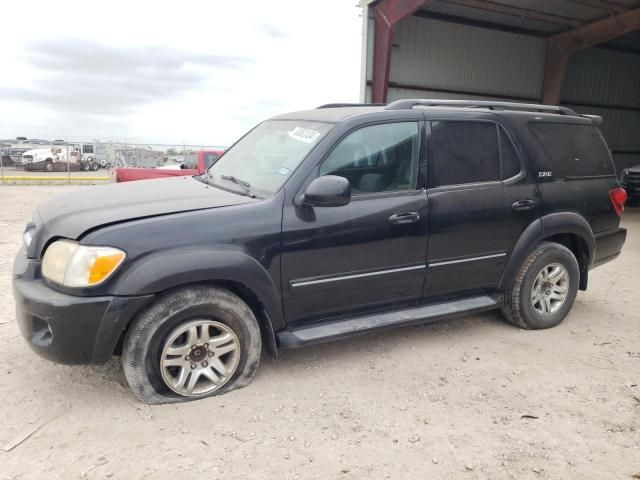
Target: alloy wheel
x: 550, y: 289
x: 199, y: 357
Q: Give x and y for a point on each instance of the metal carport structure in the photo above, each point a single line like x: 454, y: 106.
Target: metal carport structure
x: 584, y: 54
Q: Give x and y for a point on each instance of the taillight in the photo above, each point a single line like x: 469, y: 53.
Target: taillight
x: 618, y: 196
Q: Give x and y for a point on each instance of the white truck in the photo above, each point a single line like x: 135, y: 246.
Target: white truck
x: 59, y: 157
x: 49, y: 159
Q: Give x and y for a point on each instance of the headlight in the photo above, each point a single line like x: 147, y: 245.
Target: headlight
x: 70, y: 264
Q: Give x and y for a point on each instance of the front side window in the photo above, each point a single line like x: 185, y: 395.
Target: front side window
x: 465, y: 152
x: 378, y: 158
x: 263, y: 160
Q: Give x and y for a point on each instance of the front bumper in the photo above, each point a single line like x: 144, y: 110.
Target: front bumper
x: 66, y: 328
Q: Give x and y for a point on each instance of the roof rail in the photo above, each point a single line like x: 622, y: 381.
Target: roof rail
x: 338, y: 105
x: 407, y: 104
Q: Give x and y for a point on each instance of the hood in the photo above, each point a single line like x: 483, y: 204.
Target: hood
x: 72, y: 214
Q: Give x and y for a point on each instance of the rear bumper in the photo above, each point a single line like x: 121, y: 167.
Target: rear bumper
x: 69, y: 329
x: 608, y: 246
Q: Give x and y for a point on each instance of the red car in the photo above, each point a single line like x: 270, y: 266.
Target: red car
x: 203, y: 160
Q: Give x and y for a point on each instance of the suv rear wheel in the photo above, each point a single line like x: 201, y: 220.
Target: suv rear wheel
x: 191, y: 343
x: 544, y: 289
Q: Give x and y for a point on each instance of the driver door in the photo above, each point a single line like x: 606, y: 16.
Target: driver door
x: 369, y: 253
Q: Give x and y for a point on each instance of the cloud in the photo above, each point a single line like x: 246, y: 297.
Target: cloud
x: 92, y: 78
x: 271, y: 31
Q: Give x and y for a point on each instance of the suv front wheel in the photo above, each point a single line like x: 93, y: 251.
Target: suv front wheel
x: 545, y: 288
x: 191, y: 343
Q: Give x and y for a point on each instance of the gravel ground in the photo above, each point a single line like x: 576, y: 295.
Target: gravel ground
x: 472, y: 398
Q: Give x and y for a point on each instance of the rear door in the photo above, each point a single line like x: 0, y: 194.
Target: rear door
x: 480, y: 201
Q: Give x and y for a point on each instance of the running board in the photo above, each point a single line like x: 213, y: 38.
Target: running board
x: 347, y: 327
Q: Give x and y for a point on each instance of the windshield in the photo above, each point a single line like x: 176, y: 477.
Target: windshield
x: 262, y: 161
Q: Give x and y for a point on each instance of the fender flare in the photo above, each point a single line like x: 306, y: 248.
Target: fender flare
x: 165, y: 270
x: 543, y: 227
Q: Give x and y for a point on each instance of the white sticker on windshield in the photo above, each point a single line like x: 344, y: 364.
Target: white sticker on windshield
x: 284, y: 171
x: 303, y: 134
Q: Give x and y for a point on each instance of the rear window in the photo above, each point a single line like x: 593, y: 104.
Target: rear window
x: 573, y: 150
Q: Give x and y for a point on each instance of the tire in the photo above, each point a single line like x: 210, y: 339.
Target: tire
x: 522, y: 309
x: 103, y: 163
x: 84, y: 166
x: 48, y: 166
x: 151, y: 340
x: 93, y: 166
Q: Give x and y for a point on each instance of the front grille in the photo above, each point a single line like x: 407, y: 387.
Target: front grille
x: 28, y: 158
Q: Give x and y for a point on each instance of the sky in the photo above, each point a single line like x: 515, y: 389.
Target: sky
x: 194, y: 72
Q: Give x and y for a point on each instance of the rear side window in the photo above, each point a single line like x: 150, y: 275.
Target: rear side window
x: 573, y: 150
x: 465, y: 152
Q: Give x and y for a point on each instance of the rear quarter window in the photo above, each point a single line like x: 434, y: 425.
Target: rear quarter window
x: 572, y: 150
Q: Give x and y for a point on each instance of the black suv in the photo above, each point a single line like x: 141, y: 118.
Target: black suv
x: 319, y: 225
x: 631, y: 182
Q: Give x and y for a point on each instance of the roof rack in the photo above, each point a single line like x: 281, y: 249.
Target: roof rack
x: 407, y: 104
x: 339, y: 105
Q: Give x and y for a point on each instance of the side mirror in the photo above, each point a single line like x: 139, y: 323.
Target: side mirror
x: 328, y: 191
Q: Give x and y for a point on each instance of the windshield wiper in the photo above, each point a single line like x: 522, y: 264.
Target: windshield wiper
x: 242, y: 183
x: 235, y: 180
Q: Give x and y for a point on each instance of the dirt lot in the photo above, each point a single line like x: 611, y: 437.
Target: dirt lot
x: 471, y: 398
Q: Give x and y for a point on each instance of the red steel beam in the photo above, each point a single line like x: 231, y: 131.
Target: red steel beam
x: 562, y: 45
x: 387, y: 14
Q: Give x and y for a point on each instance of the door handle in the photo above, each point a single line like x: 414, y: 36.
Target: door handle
x: 405, y: 217
x: 522, y: 205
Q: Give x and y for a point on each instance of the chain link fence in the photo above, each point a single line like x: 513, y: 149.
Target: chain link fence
x: 37, y: 161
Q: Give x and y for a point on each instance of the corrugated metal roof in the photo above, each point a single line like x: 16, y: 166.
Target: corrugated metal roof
x: 453, y: 10
x: 542, y: 17
x: 558, y: 12
x: 565, y: 9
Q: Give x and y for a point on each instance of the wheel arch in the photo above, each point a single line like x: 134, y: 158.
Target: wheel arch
x: 565, y: 228
x: 580, y: 249
x: 234, y: 270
